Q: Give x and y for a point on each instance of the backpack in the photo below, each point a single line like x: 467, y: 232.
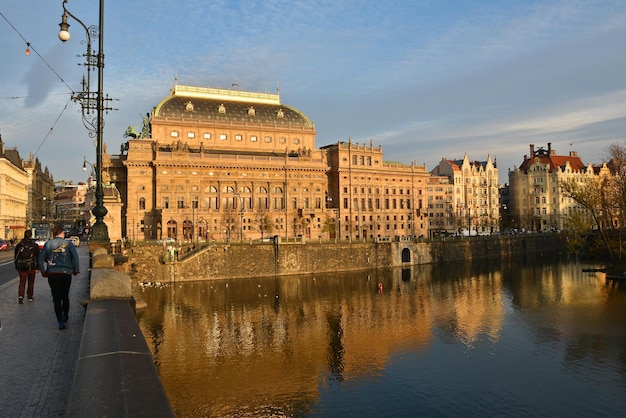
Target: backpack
x: 25, y: 257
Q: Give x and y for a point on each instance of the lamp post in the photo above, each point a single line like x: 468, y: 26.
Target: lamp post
x: 90, y: 101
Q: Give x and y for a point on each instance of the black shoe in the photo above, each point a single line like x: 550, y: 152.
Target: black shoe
x: 20, y: 300
x: 61, y: 325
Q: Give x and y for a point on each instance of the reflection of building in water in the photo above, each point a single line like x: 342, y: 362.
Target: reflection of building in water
x: 229, y: 339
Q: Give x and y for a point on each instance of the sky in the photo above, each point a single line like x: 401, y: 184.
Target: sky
x: 424, y: 79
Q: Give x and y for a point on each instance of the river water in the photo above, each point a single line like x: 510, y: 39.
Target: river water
x: 540, y: 338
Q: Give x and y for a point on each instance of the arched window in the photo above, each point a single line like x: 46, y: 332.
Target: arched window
x: 211, y: 200
x: 278, y: 198
x: 262, y: 198
x: 172, y: 229
x: 142, y: 203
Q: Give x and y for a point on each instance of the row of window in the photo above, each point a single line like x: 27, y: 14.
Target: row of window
x: 363, y: 160
x: 377, y: 191
x: 375, y: 204
x: 238, y: 137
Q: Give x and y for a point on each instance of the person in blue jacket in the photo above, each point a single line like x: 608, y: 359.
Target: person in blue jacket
x: 58, y: 261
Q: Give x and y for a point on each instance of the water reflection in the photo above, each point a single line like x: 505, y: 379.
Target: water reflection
x: 227, y: 348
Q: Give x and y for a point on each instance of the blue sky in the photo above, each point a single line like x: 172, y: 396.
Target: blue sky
x: 424, y: 79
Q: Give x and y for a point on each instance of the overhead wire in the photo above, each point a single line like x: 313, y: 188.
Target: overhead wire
x: 32, y: 48
x: 29, y: 46
x: 52, y: 127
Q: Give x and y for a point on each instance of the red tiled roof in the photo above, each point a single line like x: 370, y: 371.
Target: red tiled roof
x: 554, y: 161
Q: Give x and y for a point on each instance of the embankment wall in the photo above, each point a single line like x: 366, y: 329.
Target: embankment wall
x: 148, y: 263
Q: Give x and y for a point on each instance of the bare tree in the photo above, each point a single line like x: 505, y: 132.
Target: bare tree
x: 592, y: 197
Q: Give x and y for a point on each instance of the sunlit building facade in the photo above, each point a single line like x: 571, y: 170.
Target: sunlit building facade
x: 537, y: 202
x: 474, y: 207
x: 231, y: 165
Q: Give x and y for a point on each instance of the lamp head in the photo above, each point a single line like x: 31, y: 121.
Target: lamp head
x: 84, y: 165
x: 64, y: 34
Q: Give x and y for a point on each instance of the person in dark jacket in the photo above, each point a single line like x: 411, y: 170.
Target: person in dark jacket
x: 25, y: 259
x: 58, y: 261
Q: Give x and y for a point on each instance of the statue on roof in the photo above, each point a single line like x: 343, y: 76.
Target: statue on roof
x: 131, y: 132
x: 146, y: 129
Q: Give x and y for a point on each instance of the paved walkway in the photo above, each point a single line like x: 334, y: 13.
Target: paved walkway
x: 37, y: 361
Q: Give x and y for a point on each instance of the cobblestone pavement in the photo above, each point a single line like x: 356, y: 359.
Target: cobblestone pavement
x: 37, y: 360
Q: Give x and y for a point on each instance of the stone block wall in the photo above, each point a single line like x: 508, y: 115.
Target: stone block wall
x: 150, y: 263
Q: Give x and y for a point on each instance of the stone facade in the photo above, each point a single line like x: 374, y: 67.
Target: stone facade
x: 222, y: 165
x: 369, y: 198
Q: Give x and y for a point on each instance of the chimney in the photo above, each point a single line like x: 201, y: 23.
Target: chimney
x: 532, y: 150
x: 549, y: 148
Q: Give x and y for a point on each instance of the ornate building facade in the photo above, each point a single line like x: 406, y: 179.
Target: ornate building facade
x: 220, y: 164
x: 26, y: 192
x: 537, y: 202
x: 475, y: 204
x: 373, y: 199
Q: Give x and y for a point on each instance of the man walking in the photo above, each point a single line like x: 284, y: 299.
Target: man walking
x: 58, y: 261
x: 25, y: 259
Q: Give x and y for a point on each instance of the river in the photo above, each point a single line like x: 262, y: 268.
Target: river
x: 540, y: 338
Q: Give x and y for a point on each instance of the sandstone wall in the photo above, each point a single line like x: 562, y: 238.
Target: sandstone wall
x: 156, y: 263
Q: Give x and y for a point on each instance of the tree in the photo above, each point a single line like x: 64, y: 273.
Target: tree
x: 616, y: 155
x: 266, y: 223
x: 592, y: 197
x: 576, y: 229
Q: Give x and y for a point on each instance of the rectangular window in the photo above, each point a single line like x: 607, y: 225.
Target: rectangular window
x: 207, y: 136
x: 238, y: 137
x: 223, y: 137
x: 174, y: 134
x: 191, y: 135
x: 253, y: 138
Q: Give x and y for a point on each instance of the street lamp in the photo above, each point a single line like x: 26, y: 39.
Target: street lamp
x: 90, y: 101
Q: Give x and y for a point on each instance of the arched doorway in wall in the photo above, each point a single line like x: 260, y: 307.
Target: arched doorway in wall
x: 406, y: 255
x: 172, y: 229
x: 187, y: 230
x: 203, y: 230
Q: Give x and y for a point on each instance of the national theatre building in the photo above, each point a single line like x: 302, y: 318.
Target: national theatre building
x: 230, y: 165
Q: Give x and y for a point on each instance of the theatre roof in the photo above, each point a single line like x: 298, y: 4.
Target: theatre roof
x: 224, y: 105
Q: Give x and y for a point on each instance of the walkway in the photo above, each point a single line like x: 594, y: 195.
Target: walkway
x: 37, y: 361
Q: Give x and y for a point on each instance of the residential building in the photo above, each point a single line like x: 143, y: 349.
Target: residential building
x: 537, y: 202
x: 14, y: 192
x: 475, y: 196
x: 40, y: 193
x: 441, y: 208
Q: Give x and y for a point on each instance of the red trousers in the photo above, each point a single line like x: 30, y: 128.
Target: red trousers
x: 24, y: 277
